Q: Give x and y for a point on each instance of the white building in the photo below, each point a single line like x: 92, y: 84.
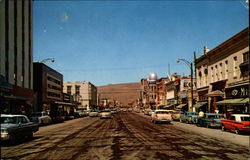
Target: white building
x: 83, y: 92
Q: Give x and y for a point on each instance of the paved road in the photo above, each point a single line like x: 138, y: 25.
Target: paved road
x: 126, y: 136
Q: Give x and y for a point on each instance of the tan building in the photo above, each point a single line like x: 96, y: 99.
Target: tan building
x: 223, y: 75
x: 16, y: 58
x: 83, y: 92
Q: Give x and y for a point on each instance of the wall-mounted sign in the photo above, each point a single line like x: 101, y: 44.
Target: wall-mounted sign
x: 238, y: 92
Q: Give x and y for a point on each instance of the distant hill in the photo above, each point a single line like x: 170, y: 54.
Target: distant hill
x: 124, y: 92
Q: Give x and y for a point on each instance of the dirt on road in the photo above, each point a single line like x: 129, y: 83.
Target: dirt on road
x: 127, y: 136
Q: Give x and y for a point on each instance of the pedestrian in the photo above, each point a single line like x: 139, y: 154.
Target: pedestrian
x: 200, y: 116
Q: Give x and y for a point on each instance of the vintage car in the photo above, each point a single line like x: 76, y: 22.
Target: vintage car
x: 189, y: 117
x: 14, y: 127
x: 58, y: 118
x: 105, y: 114
x: 161, y: 116
x: 40, y: 117
x: 148, y: 112
x: 237, y: 123
x: 176, y: 115
x: 210, y: 120
x: 93, y: 113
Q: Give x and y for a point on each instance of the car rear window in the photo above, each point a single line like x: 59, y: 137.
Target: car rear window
x: 5, y: 120
x: 245, y: 118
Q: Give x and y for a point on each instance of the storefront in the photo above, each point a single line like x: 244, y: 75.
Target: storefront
x: 237, y: 99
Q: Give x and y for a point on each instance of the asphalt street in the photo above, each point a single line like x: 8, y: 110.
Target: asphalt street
x: 129, y: 136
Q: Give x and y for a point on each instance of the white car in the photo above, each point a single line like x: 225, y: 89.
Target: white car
x: 161, y: 116
x: 40, y: 117
x: 105, y: 114
x: 93, y: 114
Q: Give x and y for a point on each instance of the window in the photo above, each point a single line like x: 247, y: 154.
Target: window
x: 234, y: 67
x: 212, y: 74
x: 69, y: 89
x: 220, y: 74
x: 77, y: 89
x: 245, y: 57
x: 231, y: 118
x: 226, y: 70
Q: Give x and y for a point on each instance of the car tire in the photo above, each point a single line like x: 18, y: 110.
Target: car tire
x: 30, y: 135
x: 237, y: 131
x: 187, y: 122
x: 12, y: 139
x: 207, y: 125
x: 223, y: 128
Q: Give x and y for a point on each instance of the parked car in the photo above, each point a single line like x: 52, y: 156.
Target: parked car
x: 113, y: 111
x: 237, y: 123
x: 93, y: 114
x: 189, y: 117
x: 14, y: 127
x: 210, y: 120
x: 148, y: 112
x: 40, y: 117
x: 105, y: 114
x: 176, y: 115
x: 161, y: 116
x: 58, y: 118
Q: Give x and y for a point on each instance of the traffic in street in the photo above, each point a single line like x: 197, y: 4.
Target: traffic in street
x: 127, y: 135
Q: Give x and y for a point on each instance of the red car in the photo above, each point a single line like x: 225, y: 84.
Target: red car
x: 237, y: 123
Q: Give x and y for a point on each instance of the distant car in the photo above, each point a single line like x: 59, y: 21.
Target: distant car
x: 14, y: 127
x: 93, y: 114
x: 210, y: 120
x: 189, y: 117
x: 40, y: 117
x: 237, y: 123
x: 161, y: 116
x: 58, y: 117
x: 113, y: 111
x: 148, y: 112
x: 176, y: 115
x: 105, y: 114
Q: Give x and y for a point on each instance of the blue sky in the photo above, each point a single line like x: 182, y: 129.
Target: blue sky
x: 109, y: 42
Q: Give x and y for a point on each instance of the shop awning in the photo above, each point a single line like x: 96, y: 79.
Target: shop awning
x: 215, y: 93
x: 236, y: 101
x: 64, y: 103
x: 199, y: 104
x: 181, y: 106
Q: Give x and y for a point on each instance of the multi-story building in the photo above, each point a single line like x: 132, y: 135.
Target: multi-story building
x: 48, y: 87
x: 16, y: 58
x: 223, y: 75
x: 183, y: 88
x: 161, y: 91
x: 171, y: 92
x: 148, y: 95
x: 143, y: 93
x: 83, y: 92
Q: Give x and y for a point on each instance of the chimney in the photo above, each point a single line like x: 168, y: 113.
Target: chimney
x: 205, y: 49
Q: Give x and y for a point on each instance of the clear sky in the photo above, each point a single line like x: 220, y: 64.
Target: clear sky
x: 109, y: 42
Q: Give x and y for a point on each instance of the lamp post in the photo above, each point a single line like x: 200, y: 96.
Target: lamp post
x: 48, y: 59
x: 190, y: 65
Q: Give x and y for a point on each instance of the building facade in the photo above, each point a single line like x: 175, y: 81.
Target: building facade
x: 16, y: 58
x: 48, y: 87
x: 223, y: 75
x: 83, y: 92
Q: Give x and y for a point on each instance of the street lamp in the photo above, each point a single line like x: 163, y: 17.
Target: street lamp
x: 48, y: 59
x: 190, y: 65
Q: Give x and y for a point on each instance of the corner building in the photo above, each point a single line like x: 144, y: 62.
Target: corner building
x: 16, y: 58
x: 223, y: 75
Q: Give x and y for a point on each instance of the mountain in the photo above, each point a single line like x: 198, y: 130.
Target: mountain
x: 124, y: 92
